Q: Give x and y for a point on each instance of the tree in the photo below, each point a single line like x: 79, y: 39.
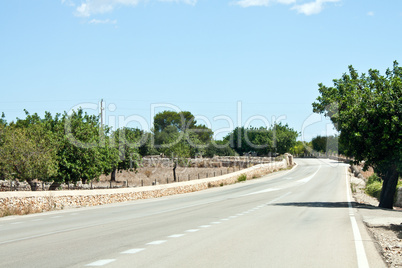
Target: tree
x: 127, y: 141
x: 27, y: 153
x: 367, y: 111
x: 284, y: 138
x: 220, y: 148
x: 181, y: 120
x: 177, y: 133
x: 300, y: 148
x: 327, y: 144
x: 85, y: 151
x: 279, y: 139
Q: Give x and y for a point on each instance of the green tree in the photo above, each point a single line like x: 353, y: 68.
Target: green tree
x: 367, y: 111
x: 177, y: 134
x: 279, y: 139
x: 300, y: 148
x: 127, y: 141
x: 220, y: 148
x: 284, y: 138
x: 27, y: 153
x: 85, y: 151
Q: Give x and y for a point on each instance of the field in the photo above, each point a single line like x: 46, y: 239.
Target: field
x: 148, y: 175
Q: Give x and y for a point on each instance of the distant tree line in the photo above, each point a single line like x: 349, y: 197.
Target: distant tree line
x: 67, y: 148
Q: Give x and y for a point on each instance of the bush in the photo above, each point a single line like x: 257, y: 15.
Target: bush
x: 242, y: 177
x: 374, y: 186
x: 373, y: 178
x: 374, y: 189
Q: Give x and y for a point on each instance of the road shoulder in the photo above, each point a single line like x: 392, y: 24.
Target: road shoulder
x: 384, y: 226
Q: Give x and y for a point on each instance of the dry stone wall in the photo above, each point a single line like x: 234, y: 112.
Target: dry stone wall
x: 33, y: 202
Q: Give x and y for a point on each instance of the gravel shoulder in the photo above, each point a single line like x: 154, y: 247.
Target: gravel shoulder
x: 384, y: 225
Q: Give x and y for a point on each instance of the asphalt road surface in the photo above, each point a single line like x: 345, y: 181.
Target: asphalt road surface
x: 295, y: 218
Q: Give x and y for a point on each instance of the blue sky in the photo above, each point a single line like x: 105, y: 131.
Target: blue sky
x: 229, y: 62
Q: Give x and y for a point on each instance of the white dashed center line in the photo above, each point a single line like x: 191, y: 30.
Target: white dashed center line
x: 215, y: 222
x: 176, y: 235
x: 18, y: 222
x: 157, y: 242
x: 205, y: 226
x: 101, y: 262
x: 133, y: 251
x: 192, y: 230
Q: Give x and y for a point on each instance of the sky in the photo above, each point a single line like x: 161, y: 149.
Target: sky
x: 229, y: 62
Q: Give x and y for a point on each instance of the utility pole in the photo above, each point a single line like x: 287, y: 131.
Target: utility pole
x: 101, y: 110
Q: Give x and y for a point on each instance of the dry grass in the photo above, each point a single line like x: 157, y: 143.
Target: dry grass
x: 147, y: 175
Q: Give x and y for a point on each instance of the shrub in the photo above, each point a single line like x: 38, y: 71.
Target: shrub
x: 374, y: 189
x: 374, y: 186
x: 373, y: 178
x: 242, y: 177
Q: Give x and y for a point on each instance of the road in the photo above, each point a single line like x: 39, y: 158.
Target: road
x: 294, y: 218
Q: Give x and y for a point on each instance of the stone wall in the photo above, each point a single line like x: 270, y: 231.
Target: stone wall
x: 398, y: 201
x: 33, y: 202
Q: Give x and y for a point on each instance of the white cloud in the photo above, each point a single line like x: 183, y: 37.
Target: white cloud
x: 107, y: 21
x: 91, y: 7
x: 252, y: 3
x: 313, y: 7
x: 370, y: 13
x: 309, y: 8
x: 189, y: 2
x: 69, y: 3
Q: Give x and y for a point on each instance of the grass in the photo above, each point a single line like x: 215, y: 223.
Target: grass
x: 242, y: 177
x: 374, y: 186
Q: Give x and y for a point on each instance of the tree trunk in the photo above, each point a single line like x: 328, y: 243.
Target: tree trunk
x: 113, y: 175
x: 389, y: 188
x: 54, y: 186
x: 33, y: 185
x: 174, y: 171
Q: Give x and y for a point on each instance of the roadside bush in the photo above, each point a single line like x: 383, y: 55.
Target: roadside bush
x: 374, y: 189
x: 242, y: 177
x: 374, y: 186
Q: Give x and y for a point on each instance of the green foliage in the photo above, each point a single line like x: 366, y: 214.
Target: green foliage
x: 300, y: 148
x: 178, y: 135
x: 374, y: 186
x: 128, y: 141
x: 220, y: 148
x: 278, y: 139
x: 367, y: 111
x: 181, y: 121
x: 327, y: 144
x: 27, y: 153
x: 374, y: 189
x: 242, y: 177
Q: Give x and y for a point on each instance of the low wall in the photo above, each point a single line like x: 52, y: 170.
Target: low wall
x: 33, y: 202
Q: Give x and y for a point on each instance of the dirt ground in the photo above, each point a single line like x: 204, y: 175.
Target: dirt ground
x: 147, y: 175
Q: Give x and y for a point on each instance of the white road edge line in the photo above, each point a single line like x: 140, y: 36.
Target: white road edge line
x: 101, y: 262
x: 307, y: 179
x: 362, y: 261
